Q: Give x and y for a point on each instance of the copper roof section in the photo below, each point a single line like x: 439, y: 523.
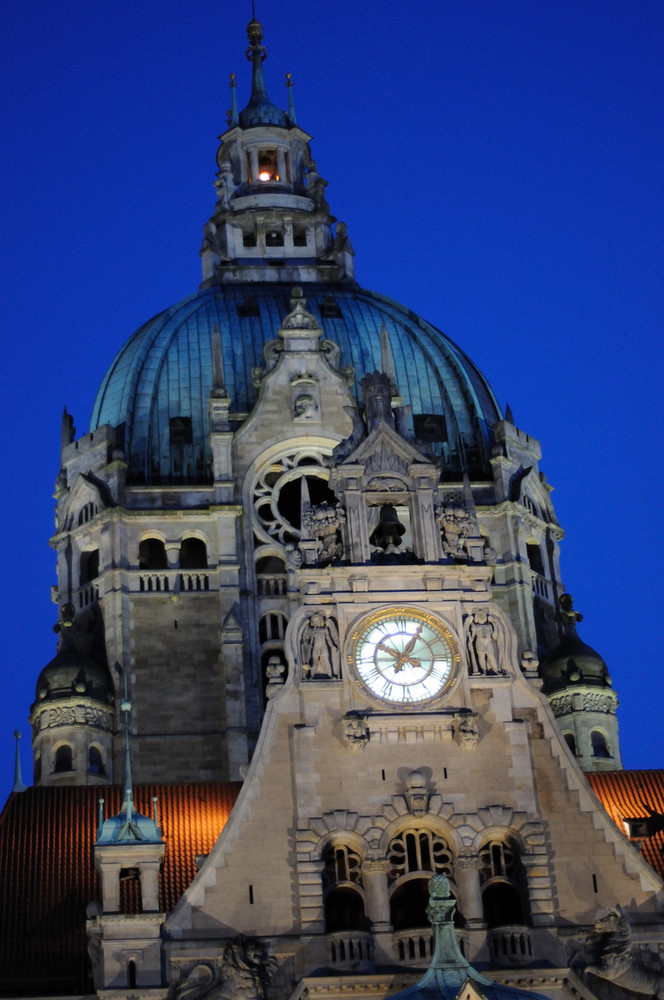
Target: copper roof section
x: 47, y: 876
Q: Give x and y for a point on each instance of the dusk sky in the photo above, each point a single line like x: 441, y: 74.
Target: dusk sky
x: 500, y: 166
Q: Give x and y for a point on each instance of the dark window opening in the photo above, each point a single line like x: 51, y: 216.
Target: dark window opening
x: 89, y: 566
x: 248, y: 308
x: 272, y: 626
x: 131, y: 975
x: 299, y: 237
x: 329, y: 309
x: 274, y: 238
x: 290, y: 502
x: 535, y: 558
x: 502, y: 905
x: 193, y: 554
x: 152, y: 554
x: 430, y: 427
x: 408, y: 906
x: 248, y: 240
x: 598, y: 744
x: 344, y: 910
x: 570, y: 741
x: 95, y: 761
x: 37, y: 769
x: 63, y: 759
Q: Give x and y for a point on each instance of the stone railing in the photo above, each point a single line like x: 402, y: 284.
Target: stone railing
x: 350, y: 948
x: 540, y: 584
x: 510, y: 945
x: 183, y: 581
x: 271, y: 584
x: 85, y: 596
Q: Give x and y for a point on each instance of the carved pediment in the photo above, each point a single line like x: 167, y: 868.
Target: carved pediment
x: 384, y: 454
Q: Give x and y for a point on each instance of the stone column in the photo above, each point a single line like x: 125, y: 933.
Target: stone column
x: 374, y: 873
x: 253, y: 162
x: 281, y: 165
x: 467, y: 875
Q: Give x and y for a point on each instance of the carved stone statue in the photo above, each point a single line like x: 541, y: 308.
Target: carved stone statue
x: 320, y: 648
x: 274, y: 672
x: 465, y: 733
x: 356, y: 731
x: 305, y: 407
x: 612, y: 942
x: 377, y: 398
x: 225, y: 184
x: 483, y: 645
x: 316, y: 187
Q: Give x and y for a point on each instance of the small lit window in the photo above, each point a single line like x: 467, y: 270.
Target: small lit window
x: 267, y: 166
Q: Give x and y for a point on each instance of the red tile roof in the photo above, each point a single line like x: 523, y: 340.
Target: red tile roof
x: 633, y: 795
x: 47, y: 875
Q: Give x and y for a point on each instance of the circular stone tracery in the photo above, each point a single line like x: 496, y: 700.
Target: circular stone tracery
x: 278, y: 494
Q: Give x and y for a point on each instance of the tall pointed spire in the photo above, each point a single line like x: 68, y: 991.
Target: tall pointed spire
x: 260, y: 110
x: 387, y: 360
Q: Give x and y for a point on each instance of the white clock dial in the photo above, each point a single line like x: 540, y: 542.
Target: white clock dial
x: 404, y: 656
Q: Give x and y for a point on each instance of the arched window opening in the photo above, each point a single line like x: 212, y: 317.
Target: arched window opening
x: 272, y: 626
x: 570, y: 741
x: 95, y: 761
x: 417, y: 850
x: 193, y: 554
x: 598, y: 744
x: 408, y: 906
x: 503, y: 883
x: 271, y: 577
x: 502, y: 905
x: 131, y: 975
x: 89, y: 566
x: 535, y: 558
x: 63, y: 759
x: 152, y: 554
x: 530, y: 505
x: 87, y: 512
x: 340, y: 864
x: 344, y: 910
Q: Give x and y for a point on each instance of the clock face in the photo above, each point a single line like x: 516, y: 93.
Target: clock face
x: 404, y: 656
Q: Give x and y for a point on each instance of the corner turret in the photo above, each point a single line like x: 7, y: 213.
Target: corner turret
x: 576, y: 681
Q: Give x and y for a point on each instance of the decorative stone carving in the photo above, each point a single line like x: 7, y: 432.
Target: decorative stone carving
x: 612, y: 944
x: 529, y: 663
x: 465, y: 732
x: 456, y: 522
x: 354, y: 439
x: 323, y: 522
x: 305, y: 407
x: 356, y: 733
x: 274, y: 672
x: 244, y: 974
x: 320, y: 648
x: 484, y: 639
x: 417, y: 794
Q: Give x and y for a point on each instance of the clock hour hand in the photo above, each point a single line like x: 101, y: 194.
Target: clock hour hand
x: 386, y: 649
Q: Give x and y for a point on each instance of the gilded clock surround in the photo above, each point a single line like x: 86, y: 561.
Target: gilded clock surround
x: 416, y: 669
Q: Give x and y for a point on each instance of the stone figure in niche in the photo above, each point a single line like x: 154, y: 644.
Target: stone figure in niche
x: 483, y: 645
x: 356, y: 730
x: 465, y: 732
x: 611, y: 943
x: 305, y: 407
x: 456, y: 523
x: 417, y: 795
x: 320, y: 648
x: 341, y: 245
x: 225, y: 184
x: 324, y: 522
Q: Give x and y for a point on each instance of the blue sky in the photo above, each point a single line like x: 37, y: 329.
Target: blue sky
x: 499, y: 164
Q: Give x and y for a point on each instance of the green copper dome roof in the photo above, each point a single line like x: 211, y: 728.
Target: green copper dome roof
x: 159, y: 384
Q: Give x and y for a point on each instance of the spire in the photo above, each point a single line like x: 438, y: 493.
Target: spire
x: 218, y: 377
x: 387, y: 360
x: 232, y: 117
x: 259, y: 110
x: 291, y: 103
x: 18, y: 780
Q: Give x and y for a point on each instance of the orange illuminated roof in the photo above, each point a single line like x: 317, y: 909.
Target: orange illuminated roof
x: 635, y: 802
x: 47, y: 874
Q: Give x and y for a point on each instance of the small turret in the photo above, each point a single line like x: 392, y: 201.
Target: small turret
x: 576, y: 681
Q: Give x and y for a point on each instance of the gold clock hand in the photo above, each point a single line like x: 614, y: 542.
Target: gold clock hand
x: 393, y: 652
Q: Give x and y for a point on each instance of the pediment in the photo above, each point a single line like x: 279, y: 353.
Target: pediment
x: 384, y: 451
x: 528, y: 485
x: 87, y: 489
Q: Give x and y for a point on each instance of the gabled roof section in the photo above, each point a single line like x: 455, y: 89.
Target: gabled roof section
x: 635, y: 802
x: 47, y: 875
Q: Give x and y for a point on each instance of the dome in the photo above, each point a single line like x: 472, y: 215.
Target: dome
x: 157, y: 389
x: 573, y: 662
x: 71, y: 674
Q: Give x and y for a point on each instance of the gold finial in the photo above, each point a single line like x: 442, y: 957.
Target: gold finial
x: 233, y: 81
x: 289, y: 79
